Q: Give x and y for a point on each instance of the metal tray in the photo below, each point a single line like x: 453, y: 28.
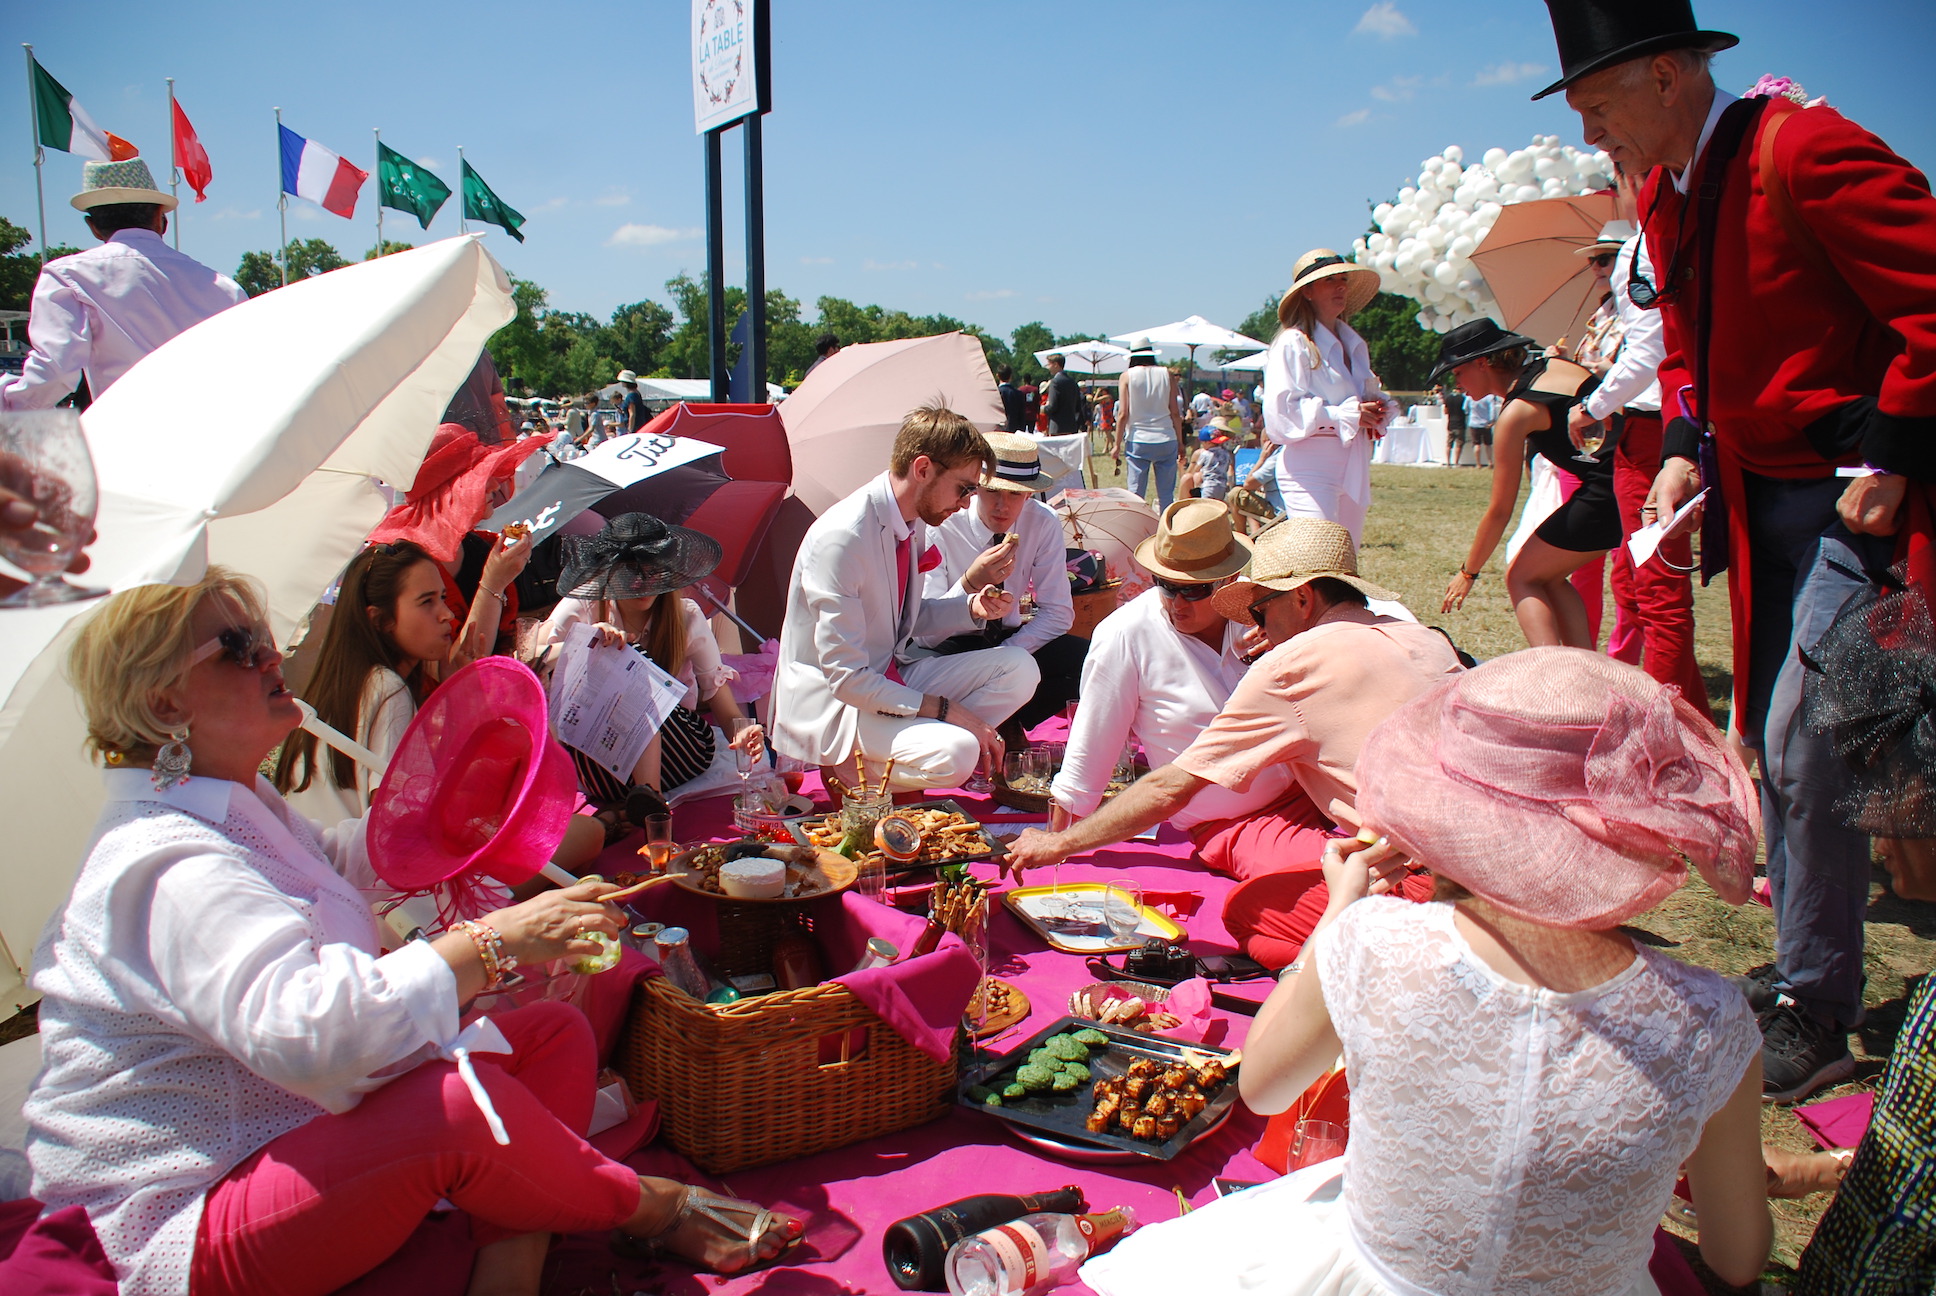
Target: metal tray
x: 1026, y: 903
x: 1062, y: 1118
x: 922, y: 862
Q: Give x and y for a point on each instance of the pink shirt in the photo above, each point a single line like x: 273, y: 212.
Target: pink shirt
x: 1308, y: 704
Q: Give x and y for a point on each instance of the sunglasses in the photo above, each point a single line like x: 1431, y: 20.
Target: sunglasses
x: 1602, y: 259
x: 1255, y: 609
x: 237, y: 645
x: 1192, y: 593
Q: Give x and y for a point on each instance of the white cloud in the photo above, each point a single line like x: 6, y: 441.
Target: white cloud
x: 1358, y: 118
x: 1508, y: 73
x: 990, y: 294
x: 552, y: 204
x: 613, y: 199
x: 235, y: 213
x: 1384, y: 20
x: 429, y: 163
x: 1397, y: 90
x: 871, y: 264
x: 635, y: 235
x: 816, y: 260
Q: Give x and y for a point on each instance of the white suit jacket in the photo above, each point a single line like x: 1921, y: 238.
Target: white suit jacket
x: 844, y: 625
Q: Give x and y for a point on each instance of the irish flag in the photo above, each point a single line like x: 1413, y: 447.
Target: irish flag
x: 65, y: 125
x: 311, y: 171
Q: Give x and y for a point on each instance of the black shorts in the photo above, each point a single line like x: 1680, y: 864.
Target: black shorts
x: 1588, y: 521
x: 1482, y: 436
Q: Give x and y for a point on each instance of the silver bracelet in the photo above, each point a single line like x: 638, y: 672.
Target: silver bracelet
x: 1290, y: 969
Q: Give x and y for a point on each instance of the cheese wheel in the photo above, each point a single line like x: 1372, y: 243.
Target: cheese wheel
x: 757, y: 878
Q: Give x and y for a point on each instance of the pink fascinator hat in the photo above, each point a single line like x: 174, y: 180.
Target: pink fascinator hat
x: 478, y: 785
x: 1563, y: 786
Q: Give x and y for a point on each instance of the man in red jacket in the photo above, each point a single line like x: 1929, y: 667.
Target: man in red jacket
x: 1796, y: 260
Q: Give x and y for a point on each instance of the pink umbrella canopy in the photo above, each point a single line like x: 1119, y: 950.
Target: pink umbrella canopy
x: 1112, y: 522
x: 1531, y: 263
x: 841, y: 421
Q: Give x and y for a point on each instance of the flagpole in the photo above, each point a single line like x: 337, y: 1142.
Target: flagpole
x: 174, y: 157
x: 378, y: 173
x: 33, y: 116
x: 282, y: 203
x: 463, y: 199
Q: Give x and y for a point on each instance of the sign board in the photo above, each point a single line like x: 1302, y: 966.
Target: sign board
x: 728, y: 46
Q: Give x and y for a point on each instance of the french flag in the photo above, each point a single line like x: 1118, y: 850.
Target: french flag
x: 311, y: 171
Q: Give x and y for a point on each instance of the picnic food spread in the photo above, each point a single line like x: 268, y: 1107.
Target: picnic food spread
x: 945, y: 835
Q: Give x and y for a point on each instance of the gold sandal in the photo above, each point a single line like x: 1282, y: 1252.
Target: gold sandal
x: 746, y: 1220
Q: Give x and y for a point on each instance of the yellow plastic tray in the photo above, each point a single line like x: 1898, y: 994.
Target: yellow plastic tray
x: 1026, y: 904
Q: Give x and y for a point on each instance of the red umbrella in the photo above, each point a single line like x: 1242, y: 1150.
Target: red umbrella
x: 1531, y: 263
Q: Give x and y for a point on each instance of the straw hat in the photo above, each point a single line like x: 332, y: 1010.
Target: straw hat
x: 1292, y: 552
x: 1323, y: 263
x: 627, y: 376
x: 1140, y: 347
x: 478, y: 784
x: 1018, y: 465
x: 1194, y: 544
x: 635, y: 555
x: 1613, y: 235
x: 1563, y: 786
x: 104, y: 184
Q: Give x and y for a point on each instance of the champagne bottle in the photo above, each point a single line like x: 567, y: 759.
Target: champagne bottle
x: 1032, y: 1255
x: 916, y: 1248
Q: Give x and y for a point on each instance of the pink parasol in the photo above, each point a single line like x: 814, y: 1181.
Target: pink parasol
x: 1531, y: 263
x: 1112, y: 522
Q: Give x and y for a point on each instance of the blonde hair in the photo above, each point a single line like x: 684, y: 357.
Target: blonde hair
x: 134, y: 648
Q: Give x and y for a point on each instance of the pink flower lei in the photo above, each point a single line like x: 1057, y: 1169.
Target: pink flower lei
x: 1772, y: 87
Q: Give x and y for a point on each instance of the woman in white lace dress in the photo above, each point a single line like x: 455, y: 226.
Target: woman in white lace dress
x: 1526, y: 1082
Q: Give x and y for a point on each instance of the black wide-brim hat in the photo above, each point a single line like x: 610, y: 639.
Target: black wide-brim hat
x: 1596, y: 34
x: 635, y: 556
x: 1469, y: 341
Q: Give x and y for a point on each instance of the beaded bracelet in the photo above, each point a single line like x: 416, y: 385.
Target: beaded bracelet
x: 499, y: 963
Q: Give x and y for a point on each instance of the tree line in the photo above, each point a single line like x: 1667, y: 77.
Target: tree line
x: 549, y: 352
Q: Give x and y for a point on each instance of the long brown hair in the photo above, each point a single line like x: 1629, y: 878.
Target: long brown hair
x: 664, y: 640
x: 355, y: 644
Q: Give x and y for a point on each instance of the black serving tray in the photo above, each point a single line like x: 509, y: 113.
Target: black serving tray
x: 1063, y: 1117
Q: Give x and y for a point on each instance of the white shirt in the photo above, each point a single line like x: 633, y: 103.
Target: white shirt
x: 1039, y: 562
x: 1143, y: 677
x: 211, y: 984
x: 99, y: 311
x: 1643, y: 343
x: 1685, y: 176
x: 703, y: 672
x: 383, y: 714
x: 1312, y: 386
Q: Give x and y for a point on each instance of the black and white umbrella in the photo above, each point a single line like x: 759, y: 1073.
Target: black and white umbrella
x: 666, y: 476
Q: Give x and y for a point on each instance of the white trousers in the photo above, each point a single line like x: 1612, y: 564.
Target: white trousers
x: 993, y: 683
x: 1311, y: 476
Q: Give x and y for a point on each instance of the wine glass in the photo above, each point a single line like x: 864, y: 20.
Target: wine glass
x: 1317, y: 1140
x: 44, y: 460
x: 1122, y: 912
x: 1590, y: 442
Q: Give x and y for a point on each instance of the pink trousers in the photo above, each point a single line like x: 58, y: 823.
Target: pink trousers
x: 330, y: 1201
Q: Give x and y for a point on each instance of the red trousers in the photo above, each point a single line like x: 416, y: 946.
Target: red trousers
x: 1276, y: 856
x: 331, y: 1200
x: 1655, y: 599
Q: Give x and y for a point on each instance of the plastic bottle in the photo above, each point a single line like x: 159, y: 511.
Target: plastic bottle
x: 916, y: 1248
x: 1034, y: 1254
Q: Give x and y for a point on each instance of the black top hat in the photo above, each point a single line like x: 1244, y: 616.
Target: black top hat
x: 635, y: 556
x: 1596, y: 34
x: 1469, y: 341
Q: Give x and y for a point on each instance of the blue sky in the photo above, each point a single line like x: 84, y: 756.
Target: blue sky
x: 1101, y: 167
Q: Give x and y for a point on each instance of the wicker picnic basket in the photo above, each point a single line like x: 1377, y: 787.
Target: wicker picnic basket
x: 778, y: 1075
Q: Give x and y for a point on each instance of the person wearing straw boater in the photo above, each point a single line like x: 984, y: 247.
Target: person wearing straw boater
x: 97, y: 312
x: 1322, y: 402
x: 1160, y: 668
x: 1758, y: 213
x: 848, y: 695
x: 1334, y: 670
x: 1527, y: 1080
x: 1009, y: 538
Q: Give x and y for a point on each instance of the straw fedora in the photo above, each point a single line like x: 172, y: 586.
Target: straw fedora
x: 1323, y: 263
x: 1194, y: 544
x: 1562, y: 786
x: 1142, y: 347
x: 627, y: 376
x: 1018, y: 465
x: 1613, y: 235
x: 1292, y: 552
x: 104, y: 184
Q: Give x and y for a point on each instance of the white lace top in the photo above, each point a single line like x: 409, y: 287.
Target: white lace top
x: 211, y: 983
x: 1508, y: 1140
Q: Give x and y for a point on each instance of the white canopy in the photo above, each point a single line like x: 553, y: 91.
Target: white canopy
x: 250, y: 440
x: 1187, y: 336
x: 1089, y: 357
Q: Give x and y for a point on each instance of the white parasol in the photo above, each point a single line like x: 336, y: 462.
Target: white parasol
x: 1186, y: 335
x: 1112, y: 522
x: 1089, y: 357
x: 251, y: 441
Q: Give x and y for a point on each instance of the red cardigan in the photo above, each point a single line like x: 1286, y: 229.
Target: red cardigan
x: 1791, y: 343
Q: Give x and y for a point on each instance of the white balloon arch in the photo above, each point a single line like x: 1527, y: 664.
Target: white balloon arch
x: 1423, y: 245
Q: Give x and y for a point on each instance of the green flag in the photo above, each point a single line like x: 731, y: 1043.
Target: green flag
x: 405, y: 186
x: 483, y: 205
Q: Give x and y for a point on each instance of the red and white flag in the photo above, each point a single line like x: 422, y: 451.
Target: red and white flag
x: 190, y: 157
x: 311, y: 171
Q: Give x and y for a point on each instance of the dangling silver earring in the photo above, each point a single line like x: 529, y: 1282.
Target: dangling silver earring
x: 173, y: 760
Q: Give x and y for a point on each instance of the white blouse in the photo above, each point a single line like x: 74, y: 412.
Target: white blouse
x: 704, y: 673
x: 1312, y: 385
x: 383, y: 715
x: 1508, y: 1140
x: 211, y: 984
